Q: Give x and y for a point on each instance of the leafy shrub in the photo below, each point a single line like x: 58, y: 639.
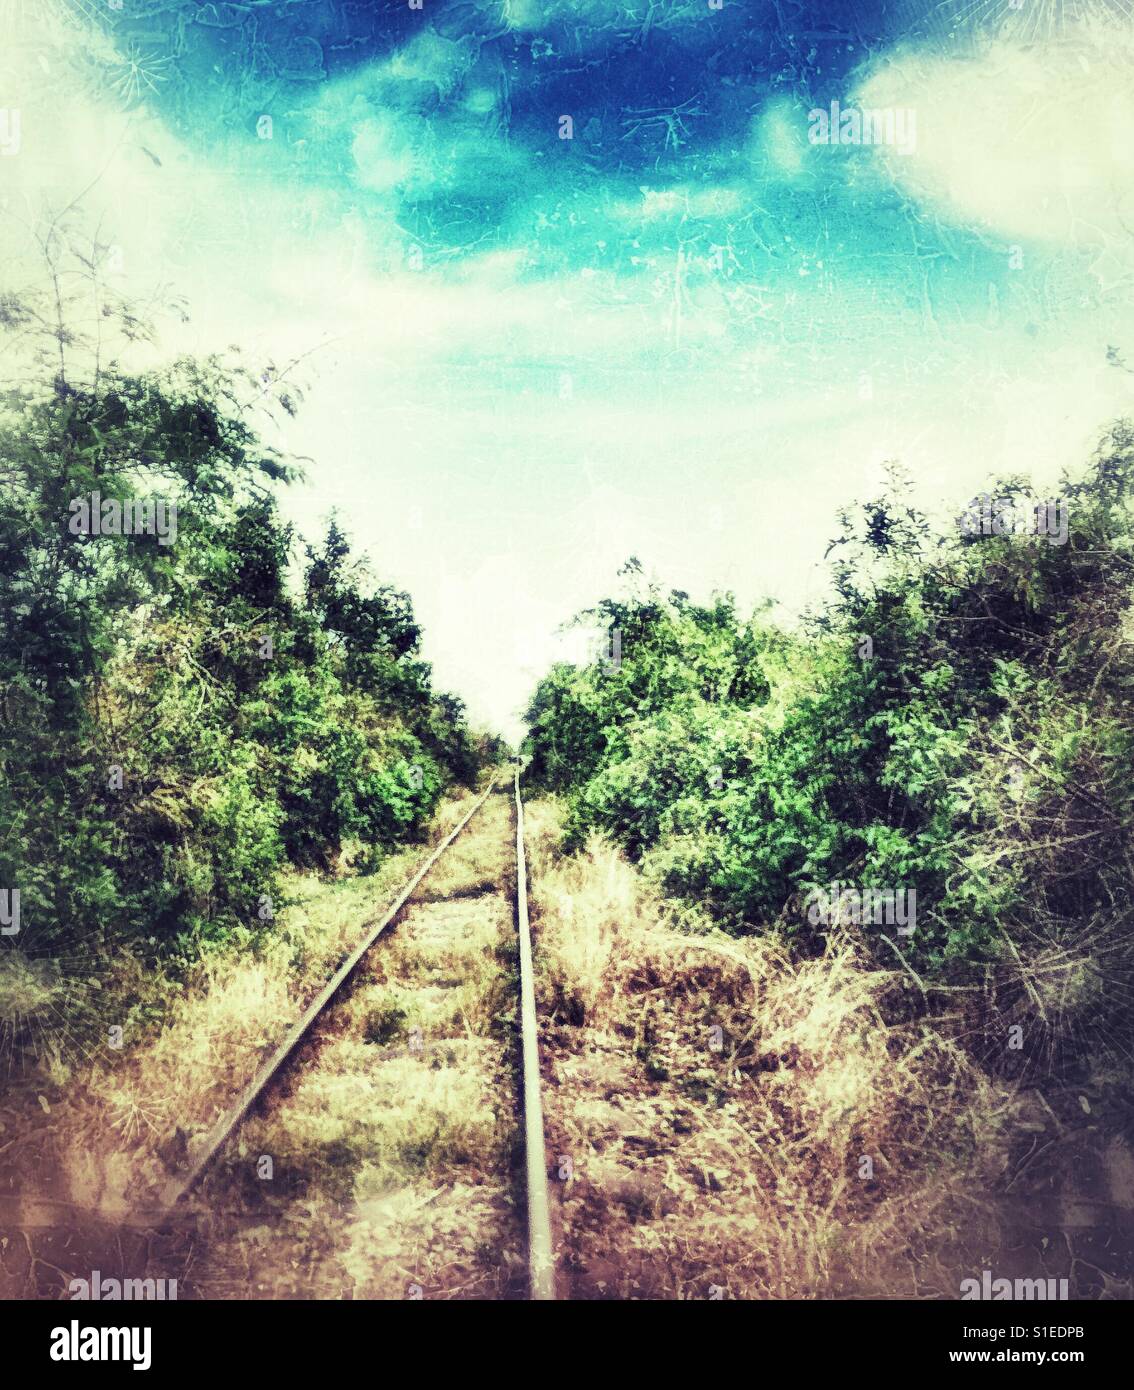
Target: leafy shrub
x: 178, y: 722
x: 977, y: 749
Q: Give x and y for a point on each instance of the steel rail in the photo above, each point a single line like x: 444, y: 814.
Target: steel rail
x: 178, y: 1188
x: 541, y: 1266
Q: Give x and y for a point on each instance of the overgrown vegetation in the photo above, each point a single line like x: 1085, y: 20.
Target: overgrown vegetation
x: 956, y: 721
x: 395, y: 1146
x: 728, y: 1121
x: 181, y: 721
x: 392, y: 1144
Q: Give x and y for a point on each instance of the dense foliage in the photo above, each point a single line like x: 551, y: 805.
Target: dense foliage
x: 956, y: 720
x: 179, y: 721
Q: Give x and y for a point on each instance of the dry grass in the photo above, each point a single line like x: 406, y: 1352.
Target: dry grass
x: 392, y: 1146
x: 805, y: 1150
x: 391, y: 1138
x: 700, y: 1159
x: 119, y: 1124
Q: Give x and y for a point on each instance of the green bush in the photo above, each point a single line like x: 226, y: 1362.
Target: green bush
x: 977, y: 750
x: 179, y: 722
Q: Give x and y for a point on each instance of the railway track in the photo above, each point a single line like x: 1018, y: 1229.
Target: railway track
x: 540, y: 1258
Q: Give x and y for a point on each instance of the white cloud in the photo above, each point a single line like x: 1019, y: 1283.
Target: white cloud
x: 1032, y: 142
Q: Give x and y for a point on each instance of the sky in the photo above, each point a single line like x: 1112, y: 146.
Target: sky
x: 571, y: 281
